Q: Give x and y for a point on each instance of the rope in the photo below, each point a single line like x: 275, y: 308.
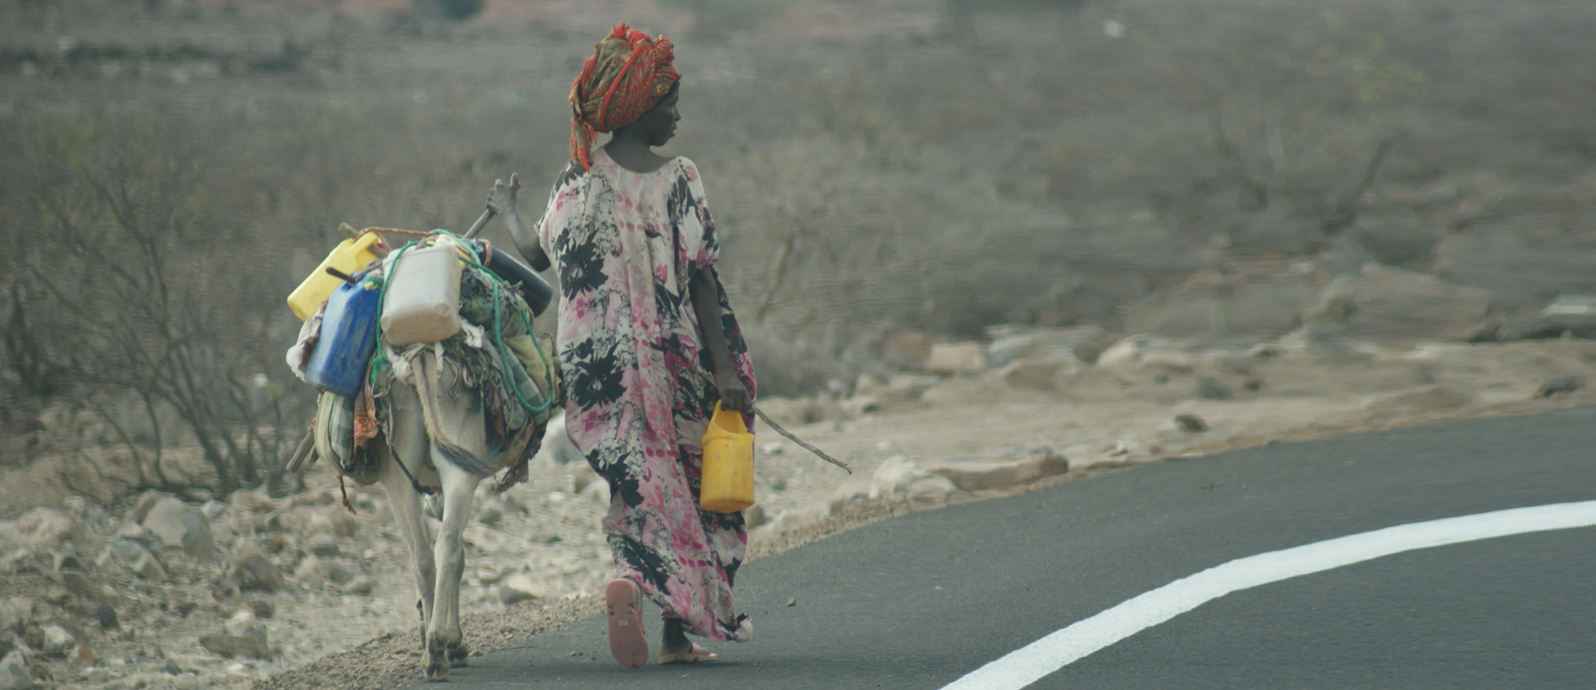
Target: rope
x: 379, y: 362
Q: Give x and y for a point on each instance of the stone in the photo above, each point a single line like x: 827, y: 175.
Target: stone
x: 557, y: 448
x: 1190, y: 423
x: 186, y: 681
x: 1559, y: 385
x: 1427, y: 399
x: 14, y: 673
x: 18, y: 612
x: 233, y: 646
x: 1384, y: 302
x: 520, y: 587
x: 794, y: 519
x: 175, y: 523
x: 861, y: 405
x: 253, y: 570
x: 1216, y: 306
x: 147, y: 568
x: 263, y: 607
x: 9, y: 642
x: 66, y: 561
x: 851, y: 491
x: 311, y: 569
x: 906, y: 350
x: 1000, y: 474
x: 897, y: 477
x: 44, y: 528
x: 950, y: 359
x: 132, y: 531
x: 361, y: 585
x: 242, y: 622
x: 1034, y: 374
x: 77, y: 506
x: 544, y: 534
x: 333, y: 520
x: 146, y: 501
x: 1125, y: 352
x: 106, y: 615
x: 342, y: 572
x: 490, y: 515
x: 510, y: 596
x: 323, y: 544
x: 242, y: 502
x: 54, y: 639
x: 596, y: 492
x: 1213, y: 389
x: 126, y: 550
x: 753, y: 516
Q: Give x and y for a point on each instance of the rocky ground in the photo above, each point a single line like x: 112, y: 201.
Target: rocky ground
x: 156, y: 592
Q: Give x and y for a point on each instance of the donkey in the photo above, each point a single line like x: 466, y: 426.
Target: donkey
x: 436, y: 441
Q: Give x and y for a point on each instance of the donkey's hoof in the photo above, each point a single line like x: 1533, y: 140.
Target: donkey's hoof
x: 437, y: 667
x: 458, y: 654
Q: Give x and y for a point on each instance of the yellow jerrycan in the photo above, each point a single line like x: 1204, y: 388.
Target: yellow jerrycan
x: 349, y: 256
x: 727, y: 479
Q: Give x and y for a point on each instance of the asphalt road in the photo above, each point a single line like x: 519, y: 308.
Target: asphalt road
x: 919, y: 601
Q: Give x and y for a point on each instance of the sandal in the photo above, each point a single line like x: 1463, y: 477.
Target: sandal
x: 697, y: 655
x: 625, y: 622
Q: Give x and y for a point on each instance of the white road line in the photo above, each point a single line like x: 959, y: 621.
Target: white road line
x: 1034, y: 661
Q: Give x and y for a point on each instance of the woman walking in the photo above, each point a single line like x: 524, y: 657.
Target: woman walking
x: 648, y: 344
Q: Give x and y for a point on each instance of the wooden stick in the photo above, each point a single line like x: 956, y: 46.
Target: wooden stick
x: 305, y: 452
x: 800, y: 441
x: 477, y: 226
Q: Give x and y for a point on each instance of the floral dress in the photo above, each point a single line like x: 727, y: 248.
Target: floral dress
x: 638, y: 379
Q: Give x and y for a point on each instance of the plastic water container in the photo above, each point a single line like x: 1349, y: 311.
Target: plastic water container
x: 726, y: 484
x: 534, y: 289
x: 348, y: 337
x: 348, y: 257
x: 423, y: 301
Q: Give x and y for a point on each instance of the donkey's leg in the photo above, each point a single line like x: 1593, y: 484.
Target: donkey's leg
x: 407, y: 441
x: 445, y: 643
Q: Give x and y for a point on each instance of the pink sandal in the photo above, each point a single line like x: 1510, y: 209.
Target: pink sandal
x: 624, y: 618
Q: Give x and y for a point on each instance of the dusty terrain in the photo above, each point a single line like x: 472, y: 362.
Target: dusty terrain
x: 347, y: 613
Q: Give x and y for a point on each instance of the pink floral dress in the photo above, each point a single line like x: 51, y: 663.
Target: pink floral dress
x: 639, y: 383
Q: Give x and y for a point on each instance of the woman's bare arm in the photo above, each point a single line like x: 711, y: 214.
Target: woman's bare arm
x: 501, y: 201
x: 706, y: 304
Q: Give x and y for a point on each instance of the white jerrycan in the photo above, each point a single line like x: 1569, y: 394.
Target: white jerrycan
x: 423, y: 300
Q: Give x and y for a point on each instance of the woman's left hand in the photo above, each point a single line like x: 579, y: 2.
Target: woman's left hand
x: 501, y: 199
x: 733, y: 394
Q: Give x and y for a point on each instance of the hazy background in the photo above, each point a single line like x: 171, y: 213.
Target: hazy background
x: 171, y: 169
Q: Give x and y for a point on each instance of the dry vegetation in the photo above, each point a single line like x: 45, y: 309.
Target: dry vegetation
x: 169, y: 170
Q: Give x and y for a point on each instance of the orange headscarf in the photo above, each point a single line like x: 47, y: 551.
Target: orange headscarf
x: 626, y: 76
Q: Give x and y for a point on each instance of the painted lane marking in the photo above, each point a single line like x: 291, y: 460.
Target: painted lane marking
x: 1034, y: 661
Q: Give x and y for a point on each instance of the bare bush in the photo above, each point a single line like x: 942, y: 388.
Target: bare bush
x: 137, y: 278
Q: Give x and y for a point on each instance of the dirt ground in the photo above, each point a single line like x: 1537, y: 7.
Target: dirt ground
x: 542, y: 538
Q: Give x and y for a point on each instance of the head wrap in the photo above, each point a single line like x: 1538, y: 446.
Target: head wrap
x: 626, y: 76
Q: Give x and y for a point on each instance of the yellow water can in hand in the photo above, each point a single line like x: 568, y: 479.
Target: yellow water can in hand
x: 727, y: 480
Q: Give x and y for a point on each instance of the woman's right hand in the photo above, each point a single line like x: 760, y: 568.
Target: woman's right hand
x: 501, y: 199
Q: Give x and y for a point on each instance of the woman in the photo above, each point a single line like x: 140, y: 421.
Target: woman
x: 648, y: 344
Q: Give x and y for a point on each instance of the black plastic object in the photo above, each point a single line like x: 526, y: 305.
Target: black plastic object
x: 537, y: 291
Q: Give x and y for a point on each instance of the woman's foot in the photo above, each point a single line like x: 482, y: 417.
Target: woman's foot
x: 675, y: 648
x: 624, y: 619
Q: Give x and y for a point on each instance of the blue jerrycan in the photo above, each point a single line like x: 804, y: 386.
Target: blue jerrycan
x: 348, y: 337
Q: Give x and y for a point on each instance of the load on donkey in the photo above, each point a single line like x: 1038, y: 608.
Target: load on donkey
x: 432, y: 379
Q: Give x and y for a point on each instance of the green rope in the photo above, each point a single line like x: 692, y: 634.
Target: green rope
x: 380, y: 362
x: 379, y: 359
